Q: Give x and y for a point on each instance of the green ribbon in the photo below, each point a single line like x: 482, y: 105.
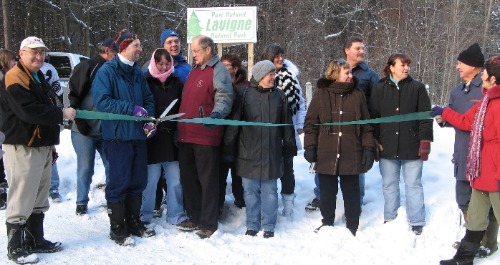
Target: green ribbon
x: 85, y: 114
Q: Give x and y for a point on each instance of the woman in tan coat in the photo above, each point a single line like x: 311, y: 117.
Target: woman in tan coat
x: 340, y: 151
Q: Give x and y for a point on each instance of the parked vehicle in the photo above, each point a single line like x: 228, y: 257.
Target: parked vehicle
x: 64, y: 63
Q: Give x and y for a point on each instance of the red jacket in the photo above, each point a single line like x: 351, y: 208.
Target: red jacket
x: 490, y: 149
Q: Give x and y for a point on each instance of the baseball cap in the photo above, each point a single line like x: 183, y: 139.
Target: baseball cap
x: 32, y: 42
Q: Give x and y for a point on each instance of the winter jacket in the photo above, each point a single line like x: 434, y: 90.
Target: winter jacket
x: 80, y: 95
x: 286, y: 80
x: 161, y: 147
x: 367, y: 78
x: 462, y: 98
x: 117, y: 88
x: 489, y: 174
x: 208, y: 89
x: 339, y: 148
x: 30, y: 114
x: 259, y: 150
x: 400, y: 140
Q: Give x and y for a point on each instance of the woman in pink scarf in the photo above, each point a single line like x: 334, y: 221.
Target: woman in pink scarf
x: 162, y: 149
x: 483, y: 161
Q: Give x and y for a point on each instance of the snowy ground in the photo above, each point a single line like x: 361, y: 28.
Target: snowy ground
x: 85, y: 239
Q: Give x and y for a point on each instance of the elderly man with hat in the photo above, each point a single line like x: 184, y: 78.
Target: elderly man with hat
x: 465, y: 95
x: 86, y: 135
x: 259, y: 151
x: 31, y: 127
x: 120, y: 87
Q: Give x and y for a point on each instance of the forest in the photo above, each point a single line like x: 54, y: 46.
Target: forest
x: 311, y: 32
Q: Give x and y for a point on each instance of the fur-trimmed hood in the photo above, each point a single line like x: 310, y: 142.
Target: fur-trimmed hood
x: 291, y: 67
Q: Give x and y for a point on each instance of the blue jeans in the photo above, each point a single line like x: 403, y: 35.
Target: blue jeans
x: 54, y: 179
x: 261, y: 199
x: 175, y: 204
x: 412, y: 175
x: 361, y: 187
x: 85, y: 148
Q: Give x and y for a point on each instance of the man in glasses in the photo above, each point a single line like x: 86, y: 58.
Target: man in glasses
x: 31, y: 127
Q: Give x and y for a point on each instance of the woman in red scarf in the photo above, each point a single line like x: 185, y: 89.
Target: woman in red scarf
x: 483, y: 161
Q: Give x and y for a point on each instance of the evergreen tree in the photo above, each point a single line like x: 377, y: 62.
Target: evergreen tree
x: 194, y: 29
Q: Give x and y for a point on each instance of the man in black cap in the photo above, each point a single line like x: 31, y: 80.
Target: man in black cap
x: 86, y: 134
x: 462, y: 98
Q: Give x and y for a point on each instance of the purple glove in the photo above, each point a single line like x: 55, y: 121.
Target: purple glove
x: 149, y: 129
x: 139, y: 111
x: 437, y: 110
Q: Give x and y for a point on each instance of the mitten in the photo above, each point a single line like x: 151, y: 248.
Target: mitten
x: 368, y: 158
x: 213, y: 115
x: 289, y: 151
x: 310, y: 154
x: 149, y: 129
x: 83, y: 126
x: 437, y: 110
x: 424, y: 150
x: 139, y: 111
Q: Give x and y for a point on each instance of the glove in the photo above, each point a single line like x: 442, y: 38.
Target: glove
x: 437, y: 110
x: 368, y: 158
x: 139, y: 111
x: 83, y: 126
x: 310, y: 154
x: 213, y: 115
x: 149, y: 129
x: 55, y: 156
x: 289, y: 151
x: 424, y: 150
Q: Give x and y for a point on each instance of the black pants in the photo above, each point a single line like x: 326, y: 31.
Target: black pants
x: 349, y: 184
x: 236, y: 185
x: 199, y: 166
x: 288, y: 179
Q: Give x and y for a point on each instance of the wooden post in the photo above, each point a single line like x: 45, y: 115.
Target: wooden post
x: 250, y: 57
x: 219, y: 49
x: 189, y: 54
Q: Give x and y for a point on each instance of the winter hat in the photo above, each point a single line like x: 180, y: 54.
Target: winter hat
x: 32, y: 42
x: 261, y: 69
x: 109, y: 43
x: 167, y: 33
x: 123, y: 39
x: 472, y: 56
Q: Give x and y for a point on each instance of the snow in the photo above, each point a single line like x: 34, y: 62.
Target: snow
x: 85, y: 239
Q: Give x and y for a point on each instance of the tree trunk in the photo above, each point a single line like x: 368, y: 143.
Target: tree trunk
x: 6, y: 23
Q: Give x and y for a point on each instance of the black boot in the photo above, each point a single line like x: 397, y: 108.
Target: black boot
x: 132, y: 217
x: 16, y: 249
x: 118, y: 231
x: 35, y: 240
x: 467, y: 250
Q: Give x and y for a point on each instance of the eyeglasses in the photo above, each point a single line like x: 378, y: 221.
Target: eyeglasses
x: 341, y: 62
x: 170, y: 42
x: 35, y: 53
x: 197, y: 51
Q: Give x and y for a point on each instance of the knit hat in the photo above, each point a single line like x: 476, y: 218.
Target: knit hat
x: 472, y: 56
x: 32, y: 42
x: 123, y: 39
x: 109, y: 43
x: 261, y: 69
x: 165, y: 34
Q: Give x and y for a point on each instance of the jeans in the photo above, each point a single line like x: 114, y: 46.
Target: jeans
x: 361, y: 187
x: 261, y: 199
x: 175, y: 204
x: 85, y: 148
x: 54, y: 179
x: 412, y: 175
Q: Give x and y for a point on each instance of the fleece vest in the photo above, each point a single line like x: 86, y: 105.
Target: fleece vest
x: 198, y: 102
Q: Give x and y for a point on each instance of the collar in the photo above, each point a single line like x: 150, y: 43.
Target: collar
x: 363, y: 65
x: 493, y: 92
x: 125, y: 60
x: 210, y: 63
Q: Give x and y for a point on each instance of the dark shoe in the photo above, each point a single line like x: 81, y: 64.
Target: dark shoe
x: 314, y: 205
x: 132, y: 217
x: 3, y: 204
x: 187, y: 225
x: 268, y: 234
x: 417, y: 229
x: 321, y: 226
x: 118, y: 232
x: 353, y: 231
x: 55, y: 196
x: 251, y: 233
x: 35, y: 241
x: 137, y: 228
x: 205, y: 233
x: 157, y: 213
x: 484, y: 252
x: 239, y: 204
x: 16, y: 249
x: 467, y: 249
x: 81, y: 209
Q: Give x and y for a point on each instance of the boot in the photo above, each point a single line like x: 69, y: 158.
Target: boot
x: 467, y: 250
x: 35, y: 240
x: 132, y: 217
x: 16, y: 249
x: 489, y: 243
x: 288, y: 202
x: 118, y: 232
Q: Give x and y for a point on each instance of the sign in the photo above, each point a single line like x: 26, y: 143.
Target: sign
x: 223, y: 24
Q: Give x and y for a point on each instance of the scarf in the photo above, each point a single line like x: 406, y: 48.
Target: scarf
x: 476, y: 137
x: 287, y: 82
x: 153, y: 70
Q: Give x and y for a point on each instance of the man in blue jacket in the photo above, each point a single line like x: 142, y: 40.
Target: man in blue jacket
x: 121, y: 88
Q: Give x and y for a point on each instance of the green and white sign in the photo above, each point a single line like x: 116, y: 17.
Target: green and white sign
x: 223, y: 24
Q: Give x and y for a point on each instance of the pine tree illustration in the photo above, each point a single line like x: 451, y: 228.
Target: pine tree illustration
x: 194, y: 29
